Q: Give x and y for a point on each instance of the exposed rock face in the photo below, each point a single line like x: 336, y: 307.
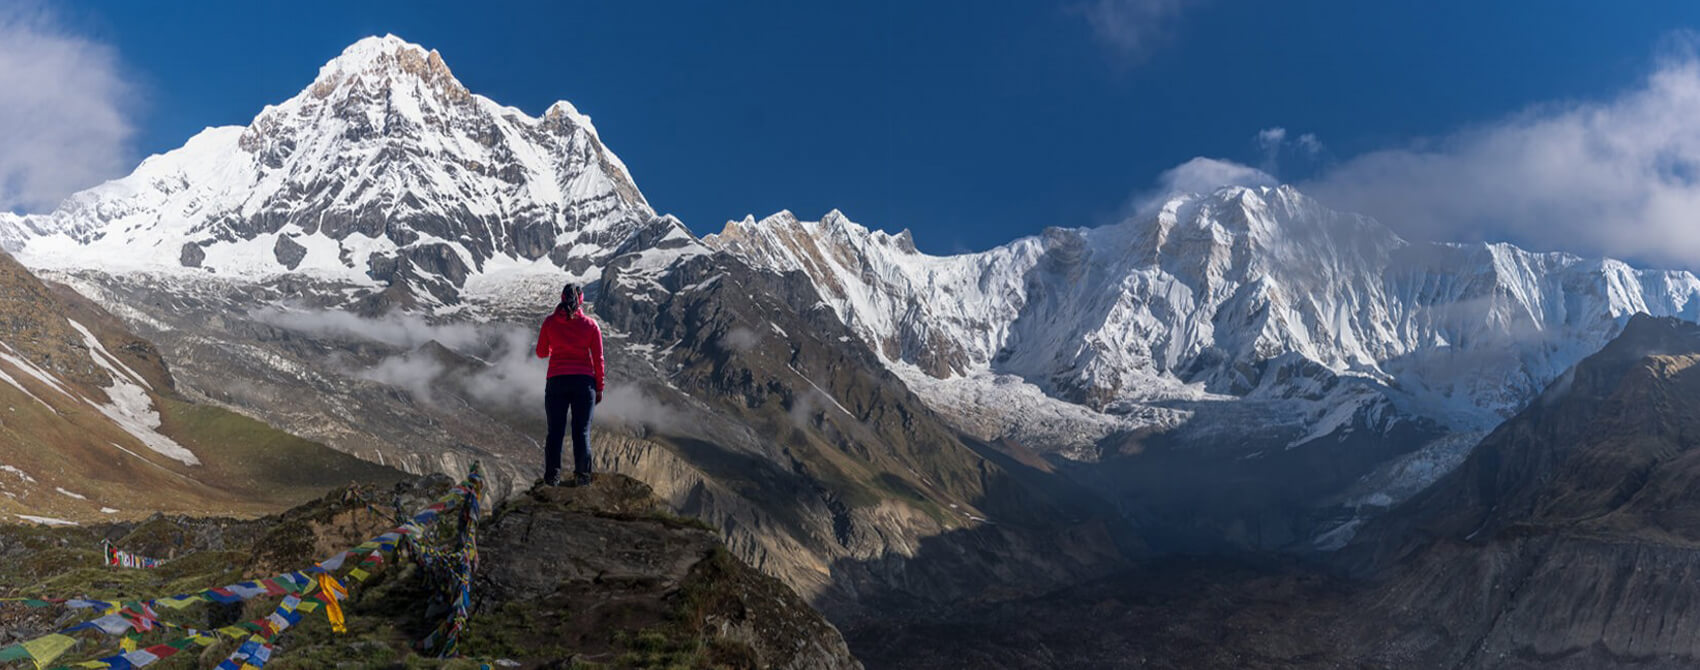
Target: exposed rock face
x: 613, y: 551
x: 882, y: 484
x: 287, y: 251
x: 1568, y: 539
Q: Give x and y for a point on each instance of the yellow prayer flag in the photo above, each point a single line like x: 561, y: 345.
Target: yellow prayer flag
x: 358, y: 575
x: 179, y: 603
x: 333, y: 609
x: 45, y: 649
x: 127, y: 643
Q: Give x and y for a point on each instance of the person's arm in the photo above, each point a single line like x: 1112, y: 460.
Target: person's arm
x: 543, y: 340
x: 596, y: 359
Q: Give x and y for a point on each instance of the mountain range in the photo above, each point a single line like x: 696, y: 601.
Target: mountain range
x: 1244, y: 370
x: 365, y: 266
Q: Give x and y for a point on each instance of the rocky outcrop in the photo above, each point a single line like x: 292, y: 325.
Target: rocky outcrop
x: 602, y: 574
x: 575, y: 559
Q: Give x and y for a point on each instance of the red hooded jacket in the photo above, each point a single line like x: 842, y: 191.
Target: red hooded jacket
x: 573, y: 344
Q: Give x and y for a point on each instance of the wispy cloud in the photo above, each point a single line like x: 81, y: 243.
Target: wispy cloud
x: 1618, y: 177
x: 1274, y: 142
x: 510, y: 374
x: 1309, y: 144
x: 65, y: 111
x: 506, y: 373
x: 1199, y: 175
x: 1133, y: 28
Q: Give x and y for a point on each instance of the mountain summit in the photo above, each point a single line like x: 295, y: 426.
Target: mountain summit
x: 1245, y: 335
x: 384, y: 170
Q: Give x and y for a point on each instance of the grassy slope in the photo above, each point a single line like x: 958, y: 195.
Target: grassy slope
x: 61, y: 441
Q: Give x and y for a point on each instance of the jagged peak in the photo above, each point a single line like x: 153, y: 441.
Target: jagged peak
x: 383, y: 61
x: 782, y: 217
x: 374, y: 52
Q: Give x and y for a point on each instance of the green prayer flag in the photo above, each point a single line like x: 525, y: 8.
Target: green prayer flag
x: 15, y: 652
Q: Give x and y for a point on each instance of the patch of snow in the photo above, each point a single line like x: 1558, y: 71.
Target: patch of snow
x: 10, y: 355
x: 105, y: 357
x: 46, y: 520
x: 14, y: 382
x: 78, y: 496
x: 1337, y: 537
x: 1399, y: 479
x: 993, y: 407
x: 132, y: 410
x: 131, y: 407
x: 20, y: 474
x: 822, y: 391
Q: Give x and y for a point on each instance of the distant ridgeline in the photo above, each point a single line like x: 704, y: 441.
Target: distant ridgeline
x: 447, y: 568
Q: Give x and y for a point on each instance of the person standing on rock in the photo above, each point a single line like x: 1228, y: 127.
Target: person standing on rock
x: 573, y: 344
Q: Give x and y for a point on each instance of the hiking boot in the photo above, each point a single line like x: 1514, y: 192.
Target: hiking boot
x: 554, y: 481
x: 581, y: 479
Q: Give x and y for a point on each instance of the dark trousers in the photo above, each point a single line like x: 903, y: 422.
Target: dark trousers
x: 574, y: 394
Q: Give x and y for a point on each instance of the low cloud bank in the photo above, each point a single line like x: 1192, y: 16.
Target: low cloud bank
x: 509, y: 374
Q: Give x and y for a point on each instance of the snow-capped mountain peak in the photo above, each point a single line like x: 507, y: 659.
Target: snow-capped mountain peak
x: 1215, y: 295
x: 385, y: 169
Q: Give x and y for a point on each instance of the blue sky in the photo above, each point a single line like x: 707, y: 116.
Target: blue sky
x: 970, y: 123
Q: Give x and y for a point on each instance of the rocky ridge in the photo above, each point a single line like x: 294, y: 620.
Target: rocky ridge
x: 598, y: 576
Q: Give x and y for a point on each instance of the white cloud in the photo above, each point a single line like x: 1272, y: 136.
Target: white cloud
x: 1270, y: 140
x: 1309, y: 144
x: 1618, y: 177
x: 64, y: 112
x: 1273, y: 143
x: 741, y: 339
x: 1132, y: 27
x: 1201, y: 175
x: 510, y: 374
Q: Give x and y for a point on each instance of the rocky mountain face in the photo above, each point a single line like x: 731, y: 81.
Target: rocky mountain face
x: 600, y: 575
x: 366, y: 264
x: 1565, y: 540
x: 94, y: 429
x: 1246, y: 335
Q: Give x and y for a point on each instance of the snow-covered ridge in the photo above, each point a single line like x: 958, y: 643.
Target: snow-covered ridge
x: 1206, y: 297
x: 384, y: 169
